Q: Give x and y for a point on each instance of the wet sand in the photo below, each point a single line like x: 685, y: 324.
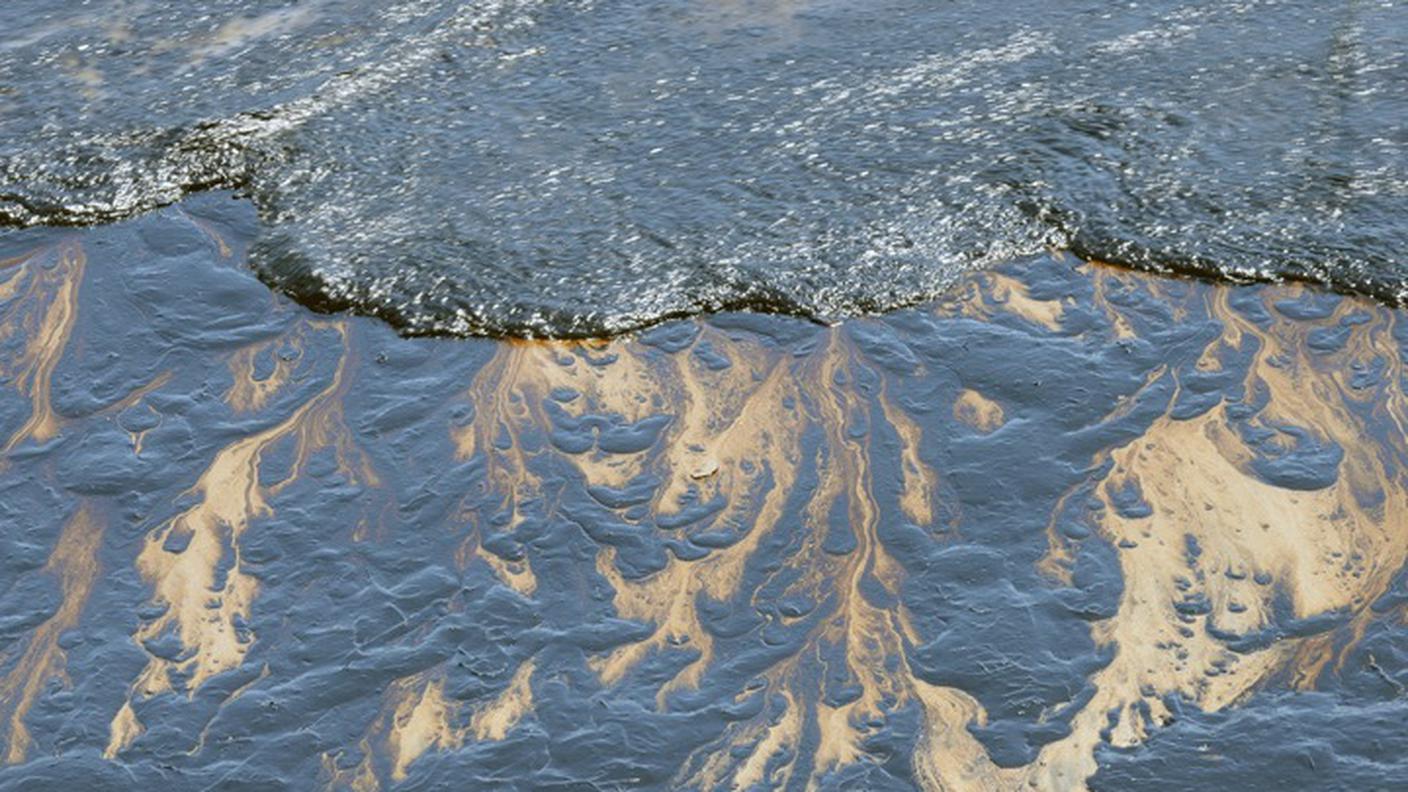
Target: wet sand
x: 1069, y: 527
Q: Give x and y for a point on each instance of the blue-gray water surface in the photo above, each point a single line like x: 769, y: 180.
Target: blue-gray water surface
x: 1068, y: 528
x: 527, y: 167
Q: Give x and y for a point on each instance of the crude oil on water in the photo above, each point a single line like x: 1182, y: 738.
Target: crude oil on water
x: 747, y: 394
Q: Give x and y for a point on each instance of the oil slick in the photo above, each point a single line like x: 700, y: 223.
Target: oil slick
x: 978, y: 545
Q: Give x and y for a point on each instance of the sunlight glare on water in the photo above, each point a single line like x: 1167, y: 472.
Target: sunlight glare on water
x: 513, y: 167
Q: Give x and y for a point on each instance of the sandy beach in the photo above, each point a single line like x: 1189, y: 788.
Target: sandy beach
x: 1068, y: 527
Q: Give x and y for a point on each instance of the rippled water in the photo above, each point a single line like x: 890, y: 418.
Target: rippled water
x: 540, y: 168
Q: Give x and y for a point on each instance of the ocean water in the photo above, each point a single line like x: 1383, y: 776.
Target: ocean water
x: 532, y: 168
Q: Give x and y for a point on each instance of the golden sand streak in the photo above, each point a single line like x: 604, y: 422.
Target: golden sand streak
x: 733, y: 433
x: 43, y: 316
x: 775, y: 738
x: 870, y: 634
x: 123, y: 731
x: 1323, y: 548
x: 493, y: 721
x: 517, y: 575
x: 74, y: 562
x: 414, y: 718
x: 920, y: 482
x: 1005, y: 294
x: 979, y: 412
x: 203, y: 614
x: 421, y: 723
x: 1197, y: 479
x: 249, y: 392
x: 949, y: 758
x: 1105, y: 277
x: 746, y: 437
x: 417, y: 718
x: 728, y: 431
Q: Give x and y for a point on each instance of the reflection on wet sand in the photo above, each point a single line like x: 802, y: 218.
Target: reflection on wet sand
x: 42, y: 293
x: 979, y: 545
x: 1253, y: 538
x: 193, y: 562
x: 74, y: 564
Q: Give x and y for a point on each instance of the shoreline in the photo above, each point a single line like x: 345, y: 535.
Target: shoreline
x: 1004, y: 538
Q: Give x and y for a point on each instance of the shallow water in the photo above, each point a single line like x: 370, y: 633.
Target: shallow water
x: 535, y: 168
x: 1070, y: 525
